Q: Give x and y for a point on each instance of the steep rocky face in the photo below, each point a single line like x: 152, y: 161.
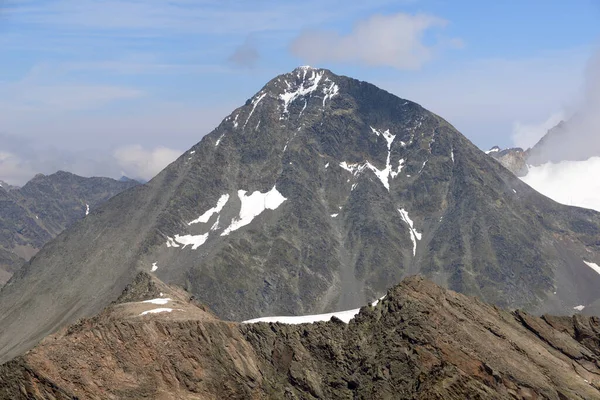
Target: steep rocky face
x: 315, y: 196
x: 420, y: 342
x: 34, y: 214
x: 513, y: 159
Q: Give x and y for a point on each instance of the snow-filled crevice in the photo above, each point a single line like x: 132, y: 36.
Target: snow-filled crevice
x: 254, y: 104
x: 415, y: 236
x: 382, y: 174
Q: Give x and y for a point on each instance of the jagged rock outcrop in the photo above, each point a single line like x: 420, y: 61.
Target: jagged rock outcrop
x: 420, y: 342
x: 513, y: 159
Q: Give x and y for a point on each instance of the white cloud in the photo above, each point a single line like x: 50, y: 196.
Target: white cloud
x: 139, y: 162
x: 573, y: 183
x: 484, y: 98
x: 526, y: 135
x: 381, y: 40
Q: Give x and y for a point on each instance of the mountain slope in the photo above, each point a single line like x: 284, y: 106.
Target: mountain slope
x: 315, y: 196
x: 32, y: 215
x: 420, y: 342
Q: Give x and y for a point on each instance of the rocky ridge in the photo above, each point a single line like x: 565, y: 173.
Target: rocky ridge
x: 419, y: 342
x: 33, y: 214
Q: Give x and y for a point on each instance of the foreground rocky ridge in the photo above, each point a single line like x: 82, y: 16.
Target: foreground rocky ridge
x: 420, y: 342
x: 32, y: 215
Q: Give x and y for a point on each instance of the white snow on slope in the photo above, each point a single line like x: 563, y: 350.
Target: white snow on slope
x: 254, y: 104
x: 579, y: 308
x: 414, y: 235
x: 573, y: 183
x: 345, y: 316
x: 159, y: 301
x: 330, y: 91
x: 593, y: 266
x: 87, y: 210
x: 253, y: 205
x: 307, y: 87
x: 216, y: 209
x: 154, y: 267
x: 156, y: 311
x: 190, y: 240
x: 382, y: 174
x: 219, y: 140
x: 171, y: 242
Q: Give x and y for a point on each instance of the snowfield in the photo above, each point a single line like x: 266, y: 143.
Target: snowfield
x: 574, y: 183
x: 345, y: 316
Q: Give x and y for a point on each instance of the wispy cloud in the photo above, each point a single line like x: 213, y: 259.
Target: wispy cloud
x: 246, y: 55
x: 484, y: 98
x: 139, y: 162
x: 381, y: 40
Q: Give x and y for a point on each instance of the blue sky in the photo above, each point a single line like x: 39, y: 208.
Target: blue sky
x: 122, y: 86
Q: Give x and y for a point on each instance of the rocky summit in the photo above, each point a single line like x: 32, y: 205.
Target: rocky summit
x: 32, y: 215
x: 419, y: 342
x: 317, y: 195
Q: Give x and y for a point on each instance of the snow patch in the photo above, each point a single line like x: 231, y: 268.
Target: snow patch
x: 398, y: 170
x: 156, y: 311
x: 579, y: 308
x: 307, y: 87
x: 87, y: 209
x: 330, y: 91
x: 414, y: 234
x: 334, y: 215
x: 345, y: 316
x: 171, y: 242
x: 216, y: 209
x: 235, y: 123
x: 219, y: 140
x: 593, y: 266
x: 254, y: 103
x: 382, y: 174
x: 253, y: 205
x: 191, y: 240
x: 159, y: 301
x: 327, y: 165
x: 215, y: 226
x: 154, y: 267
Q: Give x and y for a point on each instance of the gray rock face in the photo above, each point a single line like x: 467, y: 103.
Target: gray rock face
x: 316, y: 195
x: 34, y: 214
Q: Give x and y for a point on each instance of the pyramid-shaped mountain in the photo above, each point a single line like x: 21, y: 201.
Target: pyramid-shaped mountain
x: 317, y: 195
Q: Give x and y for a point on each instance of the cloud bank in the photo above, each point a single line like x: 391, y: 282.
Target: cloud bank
x: 381, y: 40
x: 139, y: 162
x: 21, y: 160
x: 579, y: 138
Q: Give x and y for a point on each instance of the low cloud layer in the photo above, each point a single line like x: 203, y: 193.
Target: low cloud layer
x: 579, y: 137
x: 381, y: 40
x: 139, y: 162
x: 527, y: 135
x: 21, y: 160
